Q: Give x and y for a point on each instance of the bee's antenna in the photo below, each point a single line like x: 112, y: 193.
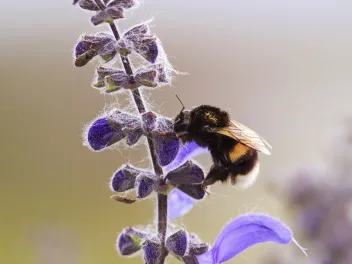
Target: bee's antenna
x: 183, y: 107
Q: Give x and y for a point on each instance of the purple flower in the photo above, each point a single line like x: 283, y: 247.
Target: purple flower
x: 102, y: 134
x: 109, y: 130
x: 140, y: 40
x: 184, y: 154
x: 166, y: 147
x: 145, y: 184
x: 189, y: 173
x: 115, y: 79
x: 244, y: 232
x: 124, y: 178
x: 90, y: 46
x: 127, y: 245
x: 177, y: 243
x: 151, y: 249
x: 179, y: 203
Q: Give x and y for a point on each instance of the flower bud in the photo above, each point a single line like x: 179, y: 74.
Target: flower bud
x: 177, y: 243
x: 103, y: 133
x: 188, y: 173
x: 151, y: 251
x: 145, y: 185
x: 124, y: 179
x: 166, y: 147
x: 128, y: 244
x: 149, y: 121
x: 108, y: 15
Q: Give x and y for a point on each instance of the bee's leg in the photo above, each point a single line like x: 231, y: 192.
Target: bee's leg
x: 216, y: 173
x: 165, y: 134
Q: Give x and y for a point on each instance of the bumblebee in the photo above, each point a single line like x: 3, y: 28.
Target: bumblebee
x: 234, y: 147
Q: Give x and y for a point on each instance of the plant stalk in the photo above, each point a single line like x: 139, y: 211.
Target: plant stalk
x: 138, y: 99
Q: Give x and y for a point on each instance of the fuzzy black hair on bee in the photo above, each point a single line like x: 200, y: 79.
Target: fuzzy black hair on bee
x: 234, y: 147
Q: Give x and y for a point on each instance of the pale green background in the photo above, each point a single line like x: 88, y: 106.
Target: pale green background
x: 281, y: 67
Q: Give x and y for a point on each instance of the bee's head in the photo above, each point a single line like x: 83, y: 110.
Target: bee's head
x: 181, y: 122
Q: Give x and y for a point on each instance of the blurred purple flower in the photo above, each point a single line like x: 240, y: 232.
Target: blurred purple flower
x: 244, y: 232
x: 179, y: 203
x: 184, y: 154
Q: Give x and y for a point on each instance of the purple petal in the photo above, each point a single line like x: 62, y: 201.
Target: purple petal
x: 88, y: 5
x: 149, y: 121
x: 124, y: 178
x: 145, y: 185
x: 179, y: 203
x: 185, y: 153
x: 133, y: 136
x: 188, y: 173
x: 123, y: 3
x: 126, y: 245
x: 243, y: 232
x: 101, y: 134
x: 80, y: 49
x: 108, y: 15
x: 166, y: 147
x: 151, y: 251
x: 177, y: 243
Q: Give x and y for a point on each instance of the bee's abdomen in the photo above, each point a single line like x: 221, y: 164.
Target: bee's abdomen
x: 239, y: 151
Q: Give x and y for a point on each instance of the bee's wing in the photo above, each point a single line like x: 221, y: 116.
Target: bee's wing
x: 246, y: 136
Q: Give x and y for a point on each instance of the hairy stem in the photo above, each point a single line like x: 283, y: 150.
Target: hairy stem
x: 162, y: 199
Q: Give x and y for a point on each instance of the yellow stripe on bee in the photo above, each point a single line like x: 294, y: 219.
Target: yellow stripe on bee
x: 211, y: 117
x: 238, y: 151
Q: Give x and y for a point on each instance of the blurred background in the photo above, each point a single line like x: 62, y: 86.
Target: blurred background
x: 282, y: 68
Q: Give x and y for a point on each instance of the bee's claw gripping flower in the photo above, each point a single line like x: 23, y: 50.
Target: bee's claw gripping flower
x: 139, y: 40
x: 244, y: 232
x: 188, y: 173
x: 179, y: 203
x: 166, y: 147
x: 151, y: 251
x: 194, y: 190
